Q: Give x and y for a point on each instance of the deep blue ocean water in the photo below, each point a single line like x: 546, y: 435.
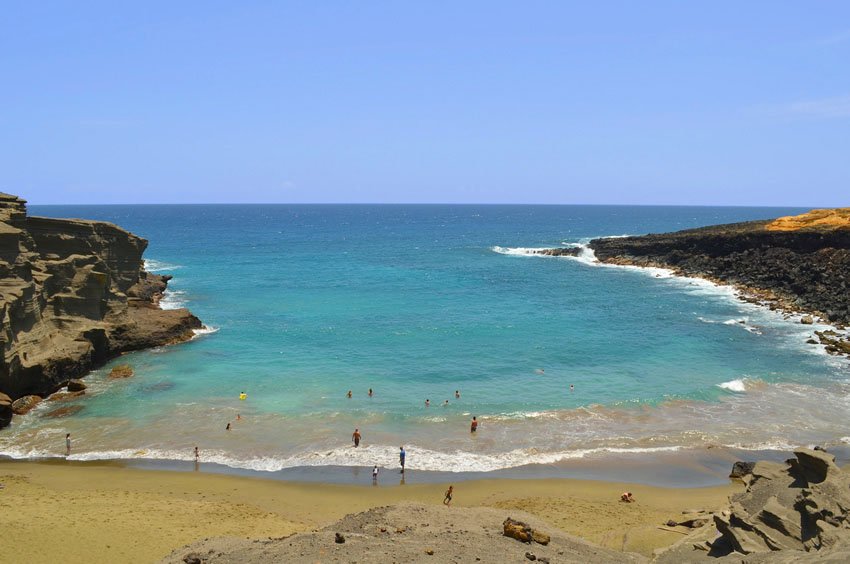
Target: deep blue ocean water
x: 307, y: 302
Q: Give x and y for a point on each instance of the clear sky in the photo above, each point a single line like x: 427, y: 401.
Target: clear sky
x: 728, y: 103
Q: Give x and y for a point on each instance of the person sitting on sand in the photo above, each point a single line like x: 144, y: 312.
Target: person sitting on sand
x: 627, y: 497
x: 448, y: 499
x: 356, y: 437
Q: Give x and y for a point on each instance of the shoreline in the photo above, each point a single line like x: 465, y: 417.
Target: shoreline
x: 682, y: 469
x: 95, y: 507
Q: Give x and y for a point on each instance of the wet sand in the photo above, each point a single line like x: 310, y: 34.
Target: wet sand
x: 98, y: 512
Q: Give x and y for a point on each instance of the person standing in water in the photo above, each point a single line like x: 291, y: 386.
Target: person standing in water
x: 427, y: 403
x: 370, y: 392
x: 474, y: 426
x: 375, y: 475
x: 197, y: 454
x: 356, y: 437
x: 349, y: 394
x: 401, y: 456
x: 67, y: 444
x: 457, y: 394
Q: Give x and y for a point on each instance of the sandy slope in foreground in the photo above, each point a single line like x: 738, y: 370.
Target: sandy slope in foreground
x: 104, y: 512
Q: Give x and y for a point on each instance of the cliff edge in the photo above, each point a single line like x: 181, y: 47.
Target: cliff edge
x: 73, y: 294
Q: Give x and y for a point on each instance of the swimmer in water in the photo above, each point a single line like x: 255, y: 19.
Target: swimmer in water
x: 349, y: 394
x: 457, y: 394
x: 572, y: 388
x: 445, y: 403
x: 427, y: 403
x: 370, y: 392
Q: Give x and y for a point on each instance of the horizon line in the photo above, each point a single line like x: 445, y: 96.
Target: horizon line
x: 433, y: 204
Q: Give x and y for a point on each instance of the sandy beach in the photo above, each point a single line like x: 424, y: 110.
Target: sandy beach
x: 87, y: 512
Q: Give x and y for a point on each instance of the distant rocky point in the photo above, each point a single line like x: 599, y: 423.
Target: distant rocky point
x: 73, y: 294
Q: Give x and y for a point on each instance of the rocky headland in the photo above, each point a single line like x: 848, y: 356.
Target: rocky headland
x: 797, y: 264
x: 73, y: 294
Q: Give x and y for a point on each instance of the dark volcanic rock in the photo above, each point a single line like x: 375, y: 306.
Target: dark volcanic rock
x: 74, y: 295
x: 559, y: 252
x: 741, y: 469
x: 805, y: 270
x: 76, y: 385
x: 5, y: 409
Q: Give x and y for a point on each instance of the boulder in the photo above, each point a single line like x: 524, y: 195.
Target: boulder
x: 121, y: 371
x: 741, y: 469
x: 64, y: 411
x: 5, y: 409
x: 523, y: 532
x: 24, y: 405
x: 65, y: 396
x: 807, y: 320
x: 76, y: 385
x: 814, y: 465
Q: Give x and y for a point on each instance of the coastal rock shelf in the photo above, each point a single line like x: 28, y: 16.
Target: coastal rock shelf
x: 804, y: 266
x: 73, y: 294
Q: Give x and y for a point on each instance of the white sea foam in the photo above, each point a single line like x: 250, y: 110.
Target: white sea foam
x: 153, y: 265
x: 173, y: 299
x: 205, y: 330
x: 526, y: 251
x: 734, y: 385
x: 385, y: 456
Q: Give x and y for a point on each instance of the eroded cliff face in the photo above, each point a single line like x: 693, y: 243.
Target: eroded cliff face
x: 73, y: 294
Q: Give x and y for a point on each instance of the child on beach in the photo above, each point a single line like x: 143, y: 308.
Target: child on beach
x: 627, y: 497
x: 448, y: 499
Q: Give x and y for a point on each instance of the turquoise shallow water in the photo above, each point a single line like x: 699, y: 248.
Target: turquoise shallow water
x: 307, y: 302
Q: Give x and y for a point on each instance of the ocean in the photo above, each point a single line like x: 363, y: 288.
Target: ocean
x: 303, y: 303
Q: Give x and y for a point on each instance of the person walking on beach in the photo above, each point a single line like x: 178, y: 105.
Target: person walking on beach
x: 401, y: 456
x: 474, y: 425
x: 356, y: 437
x: 67, y: 444
x: 448, y: 499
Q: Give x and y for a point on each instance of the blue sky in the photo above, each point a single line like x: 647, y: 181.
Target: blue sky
x: 709, y: 103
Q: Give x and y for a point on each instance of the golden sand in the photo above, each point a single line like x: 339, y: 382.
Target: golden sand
x: 109, y: 513
x: 838, y: 218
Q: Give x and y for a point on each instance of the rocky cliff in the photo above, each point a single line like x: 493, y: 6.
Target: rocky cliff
x: 799, y: 263
x: 798, y: 511
x: 73, y: 294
